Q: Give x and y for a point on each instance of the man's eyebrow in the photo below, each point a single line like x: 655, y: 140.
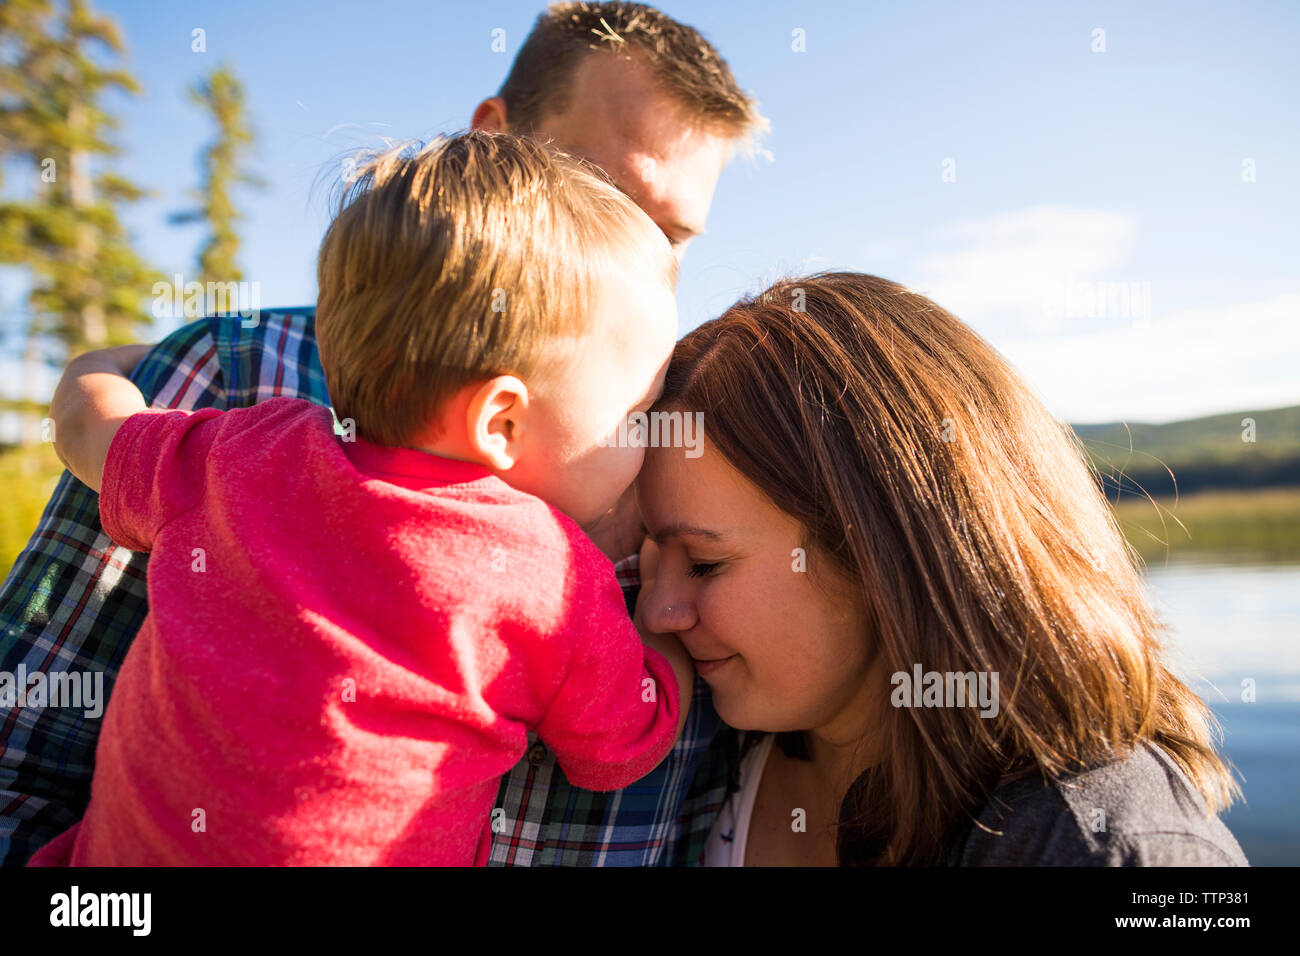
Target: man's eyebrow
x: 682, y: 531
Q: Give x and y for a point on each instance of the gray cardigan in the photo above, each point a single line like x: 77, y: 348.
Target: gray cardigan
x: 1138, y: 811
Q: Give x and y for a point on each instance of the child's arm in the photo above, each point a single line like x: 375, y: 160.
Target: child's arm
x: 666, y: 644
x: 91, y: 402
x: 623, y: 699
x: 671, y: 648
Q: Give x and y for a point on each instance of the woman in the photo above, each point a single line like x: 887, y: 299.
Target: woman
x: 894, y: 569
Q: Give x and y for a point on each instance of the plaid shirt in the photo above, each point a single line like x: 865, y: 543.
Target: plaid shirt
x: 74, y: 600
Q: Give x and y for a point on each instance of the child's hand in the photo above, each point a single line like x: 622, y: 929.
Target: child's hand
x: 666, y: 644
x: 91, y: 402
x: 618, y: 532
x: 648, y: 563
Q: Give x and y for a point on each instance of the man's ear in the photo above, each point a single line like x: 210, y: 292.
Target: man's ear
x: 490, y: 116
x: 496, y: 419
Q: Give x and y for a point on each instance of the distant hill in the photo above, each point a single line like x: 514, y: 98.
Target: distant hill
x: 1203, y: 453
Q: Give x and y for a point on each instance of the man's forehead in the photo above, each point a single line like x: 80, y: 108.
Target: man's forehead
x: 649, y: 124
x: 613, y: 86
x: 619, y: 119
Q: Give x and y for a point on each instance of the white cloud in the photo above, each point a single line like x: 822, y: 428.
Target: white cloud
x: 1050, y: 287
x: 1180, y: 365
x: 1043, y: 269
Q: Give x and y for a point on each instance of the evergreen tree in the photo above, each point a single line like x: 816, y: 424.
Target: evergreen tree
x: 88, y: 283
x: 221, y: 95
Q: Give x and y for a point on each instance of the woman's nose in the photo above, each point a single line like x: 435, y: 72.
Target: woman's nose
x: 665, y: 609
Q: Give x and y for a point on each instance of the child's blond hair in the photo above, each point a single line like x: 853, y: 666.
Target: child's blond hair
x: 476, y: 255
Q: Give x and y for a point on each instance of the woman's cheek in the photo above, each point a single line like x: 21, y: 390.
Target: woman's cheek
x: 785, y: 665
x: 737, y: 618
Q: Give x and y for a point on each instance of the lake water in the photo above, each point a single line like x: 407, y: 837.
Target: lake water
x: 1231, y: 623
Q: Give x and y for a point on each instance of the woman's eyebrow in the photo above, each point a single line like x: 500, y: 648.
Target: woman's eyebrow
x: 682, y: 531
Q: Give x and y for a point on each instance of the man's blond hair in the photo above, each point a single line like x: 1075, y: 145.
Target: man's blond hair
x: 474, y: 256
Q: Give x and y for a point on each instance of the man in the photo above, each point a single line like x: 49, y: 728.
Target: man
x: 620, y: 84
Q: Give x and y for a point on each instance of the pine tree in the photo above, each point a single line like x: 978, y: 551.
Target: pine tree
x: 88, y: 284
x: 221, y: 95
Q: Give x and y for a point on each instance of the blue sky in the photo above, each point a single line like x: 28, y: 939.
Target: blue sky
x: 1099, y: 229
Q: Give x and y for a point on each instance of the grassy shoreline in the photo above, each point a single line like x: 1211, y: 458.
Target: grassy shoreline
x: 28, y: 475
x: 1261, y: 525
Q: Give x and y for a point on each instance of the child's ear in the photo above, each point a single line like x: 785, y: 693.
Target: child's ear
x: 496, y: 418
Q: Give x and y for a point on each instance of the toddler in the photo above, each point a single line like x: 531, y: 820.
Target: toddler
x: 350, y: 635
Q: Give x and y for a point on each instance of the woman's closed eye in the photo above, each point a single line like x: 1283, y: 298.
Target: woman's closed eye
x: 701, y: 570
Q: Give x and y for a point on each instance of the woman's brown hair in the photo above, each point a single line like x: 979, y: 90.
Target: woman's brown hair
x: 931, y: 476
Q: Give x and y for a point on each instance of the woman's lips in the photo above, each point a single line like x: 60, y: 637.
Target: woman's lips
x: 707, y: 667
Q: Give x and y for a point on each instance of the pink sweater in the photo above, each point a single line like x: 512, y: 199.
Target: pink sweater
x: 346, y: 645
